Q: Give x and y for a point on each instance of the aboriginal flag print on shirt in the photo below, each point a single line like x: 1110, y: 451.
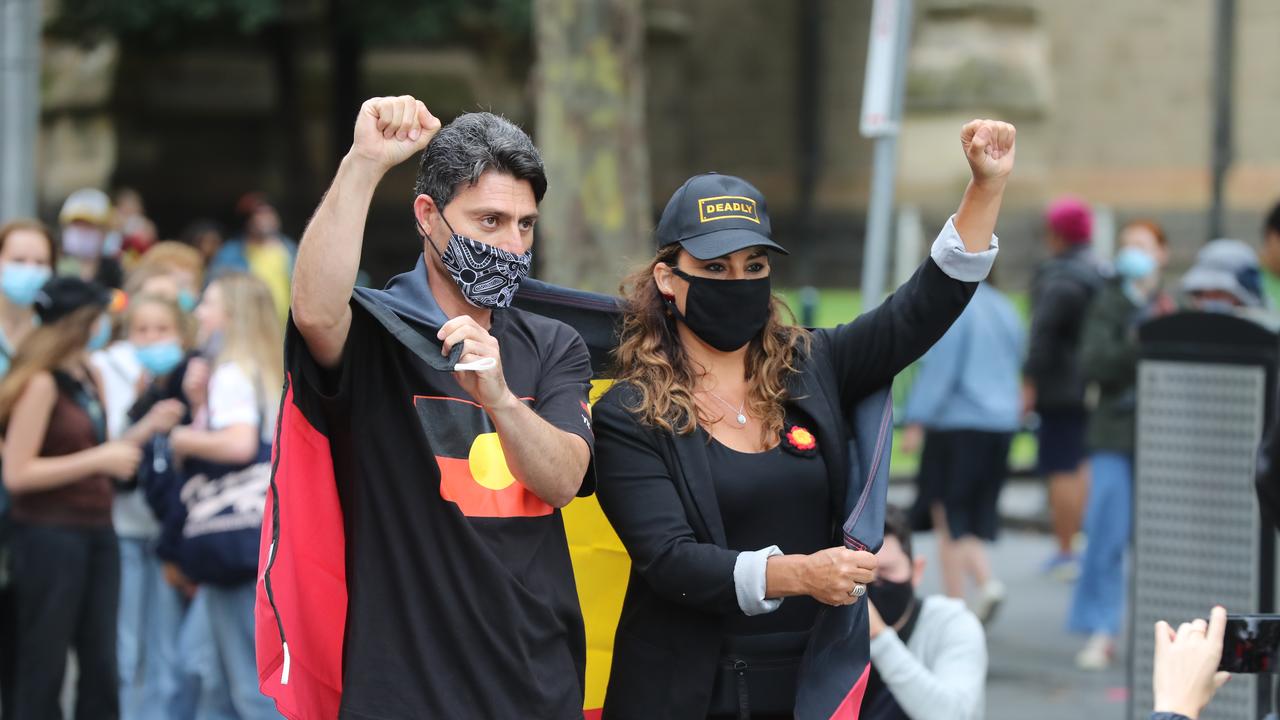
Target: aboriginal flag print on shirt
x: 473, y: 470
x: 454, y: 581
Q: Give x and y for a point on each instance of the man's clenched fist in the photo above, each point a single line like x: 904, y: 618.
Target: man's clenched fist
x: 391, y: 129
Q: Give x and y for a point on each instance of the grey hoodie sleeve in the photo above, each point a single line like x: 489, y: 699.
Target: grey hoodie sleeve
x: 950, y: 686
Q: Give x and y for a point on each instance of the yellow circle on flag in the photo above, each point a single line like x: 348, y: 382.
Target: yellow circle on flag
x: 488, y: 464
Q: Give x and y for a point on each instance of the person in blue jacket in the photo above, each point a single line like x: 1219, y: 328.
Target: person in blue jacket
x: 965, y: 401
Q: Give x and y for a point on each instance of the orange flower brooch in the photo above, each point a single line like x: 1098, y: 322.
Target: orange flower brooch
x: 800, y: 441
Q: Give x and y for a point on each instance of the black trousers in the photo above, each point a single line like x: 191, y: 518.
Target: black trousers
x: 66, y: 595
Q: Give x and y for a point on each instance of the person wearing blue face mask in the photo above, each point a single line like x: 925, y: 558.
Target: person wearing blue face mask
x: 59, y: 466
x: 139, y: 404
x: 1109, y: 359
x: 27, y: 256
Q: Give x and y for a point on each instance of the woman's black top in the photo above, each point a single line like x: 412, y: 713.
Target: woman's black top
x: 777, y: 497
x: 773, y: 498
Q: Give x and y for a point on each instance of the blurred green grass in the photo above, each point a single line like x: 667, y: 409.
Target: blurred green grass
x: 836, y: 306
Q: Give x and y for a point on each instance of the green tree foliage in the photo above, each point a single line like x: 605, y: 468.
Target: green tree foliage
x: 379, y: 22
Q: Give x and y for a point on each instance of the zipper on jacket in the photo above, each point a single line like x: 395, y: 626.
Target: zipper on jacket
x: 275, y: 536
x: 744, y: 696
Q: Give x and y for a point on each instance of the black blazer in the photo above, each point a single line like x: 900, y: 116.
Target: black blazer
x: 656, y: 490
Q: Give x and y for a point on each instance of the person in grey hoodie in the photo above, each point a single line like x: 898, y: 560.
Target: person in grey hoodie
x: 928, y: 655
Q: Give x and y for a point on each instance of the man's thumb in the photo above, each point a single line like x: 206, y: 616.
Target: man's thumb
x: 981, y: 139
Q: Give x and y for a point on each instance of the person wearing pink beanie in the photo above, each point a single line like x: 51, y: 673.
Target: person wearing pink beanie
x: 1070, y: 219
x: 1053, y: 383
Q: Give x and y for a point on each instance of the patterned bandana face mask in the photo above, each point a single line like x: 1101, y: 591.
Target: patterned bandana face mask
x: 488, y: 276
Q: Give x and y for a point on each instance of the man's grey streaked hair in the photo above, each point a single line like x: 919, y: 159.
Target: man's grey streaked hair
x: 471, y: 145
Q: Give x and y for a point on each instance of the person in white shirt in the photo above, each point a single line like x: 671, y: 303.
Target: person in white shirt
x: 928, y: 655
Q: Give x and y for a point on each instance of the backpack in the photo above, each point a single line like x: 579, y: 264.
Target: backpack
x: 211, y: 513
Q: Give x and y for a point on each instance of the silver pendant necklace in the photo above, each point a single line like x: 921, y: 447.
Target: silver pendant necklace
x: 741, y: 415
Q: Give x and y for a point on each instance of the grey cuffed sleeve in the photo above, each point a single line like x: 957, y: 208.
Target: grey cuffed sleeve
x: 949, y: 253
x: 749, y: 581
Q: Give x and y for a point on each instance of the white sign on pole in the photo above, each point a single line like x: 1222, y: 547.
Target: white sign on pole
x: 878, y: 112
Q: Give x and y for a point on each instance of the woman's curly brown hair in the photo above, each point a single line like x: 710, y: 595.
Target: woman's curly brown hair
x: 651, y: 358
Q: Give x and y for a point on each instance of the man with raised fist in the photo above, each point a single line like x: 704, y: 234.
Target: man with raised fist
x: 414, y: 556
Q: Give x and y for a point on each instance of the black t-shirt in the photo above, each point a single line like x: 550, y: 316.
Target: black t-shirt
x: 461, y: 596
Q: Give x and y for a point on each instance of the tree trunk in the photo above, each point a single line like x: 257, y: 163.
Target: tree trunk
x: 596, y: 219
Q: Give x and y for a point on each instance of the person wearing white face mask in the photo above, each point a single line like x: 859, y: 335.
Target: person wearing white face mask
x: 89, y: 246
x: 1109, y: 359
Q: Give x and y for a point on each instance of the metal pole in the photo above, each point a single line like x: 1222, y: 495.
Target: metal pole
x: 20, y: 99
x: 875, y: 252
x: 1223, y: 75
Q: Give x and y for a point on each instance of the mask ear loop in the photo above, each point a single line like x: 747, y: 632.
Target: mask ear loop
x: 427, y: 235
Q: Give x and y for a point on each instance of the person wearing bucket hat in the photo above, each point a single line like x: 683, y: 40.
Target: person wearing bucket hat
x: 58, y: 468
x: 87, y: 234
x: 1226, y: 275
x: 733, y: 446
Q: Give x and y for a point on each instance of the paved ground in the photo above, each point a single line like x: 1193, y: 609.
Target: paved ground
x: 1032, y: 672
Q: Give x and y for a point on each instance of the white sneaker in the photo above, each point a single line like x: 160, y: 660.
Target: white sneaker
x: 993, y: 594
x: 1096, y: 654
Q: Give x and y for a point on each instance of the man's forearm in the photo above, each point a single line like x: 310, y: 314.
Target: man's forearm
x: 329, y: 258
x: 545, y: 459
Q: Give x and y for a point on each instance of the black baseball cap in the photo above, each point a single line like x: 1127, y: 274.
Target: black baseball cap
x: 62, y: 296
x: 713, y: 215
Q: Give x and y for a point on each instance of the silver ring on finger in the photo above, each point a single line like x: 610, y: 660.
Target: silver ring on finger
x: 858, y: 590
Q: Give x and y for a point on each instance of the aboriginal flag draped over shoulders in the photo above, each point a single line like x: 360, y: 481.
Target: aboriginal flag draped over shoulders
x: 302, y: 601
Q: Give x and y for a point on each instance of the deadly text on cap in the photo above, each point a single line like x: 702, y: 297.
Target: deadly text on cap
x: 726, y: 207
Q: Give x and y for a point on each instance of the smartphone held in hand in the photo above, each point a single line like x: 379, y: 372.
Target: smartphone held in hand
x: 1250, y: 644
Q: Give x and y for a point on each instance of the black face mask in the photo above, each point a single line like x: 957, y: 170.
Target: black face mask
x: 892, y: 599
x: 726, y: 314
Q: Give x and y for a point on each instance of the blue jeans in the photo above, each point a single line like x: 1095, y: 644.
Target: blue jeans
x: 231, y: 623
x: 1098, y: 603
x: 150, y: 615
x: 202, y: 695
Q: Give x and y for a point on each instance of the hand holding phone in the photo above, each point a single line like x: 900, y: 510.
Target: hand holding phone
x: 1186, y: 671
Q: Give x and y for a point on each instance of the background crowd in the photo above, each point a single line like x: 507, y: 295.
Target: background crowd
x: 141, y: 380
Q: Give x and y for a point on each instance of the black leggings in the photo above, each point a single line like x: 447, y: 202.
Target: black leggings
x: 66, y: 594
